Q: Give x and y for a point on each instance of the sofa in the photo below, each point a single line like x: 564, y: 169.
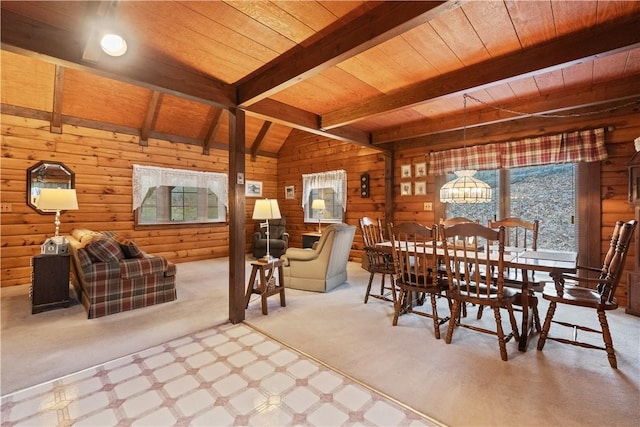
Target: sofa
x: 112, y: 275
x: 278, y: 239
x: 322, y: 267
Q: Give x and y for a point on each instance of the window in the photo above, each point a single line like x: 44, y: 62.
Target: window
x: 331, y: 187
x: 202, y: 197
x: 574, y: 156
x: 546, y: 193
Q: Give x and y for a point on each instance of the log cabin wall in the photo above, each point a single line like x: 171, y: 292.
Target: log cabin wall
x: 304, y: 153
x: 102, y: 162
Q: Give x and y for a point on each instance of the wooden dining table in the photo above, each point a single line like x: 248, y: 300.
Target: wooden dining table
x: 553, y: 262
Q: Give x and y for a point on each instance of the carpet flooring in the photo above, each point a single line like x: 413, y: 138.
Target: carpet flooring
x: 463, y: 383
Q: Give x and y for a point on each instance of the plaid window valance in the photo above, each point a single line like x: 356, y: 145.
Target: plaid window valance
x: 568, y: 147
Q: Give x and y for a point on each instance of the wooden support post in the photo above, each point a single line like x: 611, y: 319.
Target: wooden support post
x: 236, y: 215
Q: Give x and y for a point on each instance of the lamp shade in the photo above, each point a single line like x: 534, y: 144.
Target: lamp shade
x: 266, y: 209
x: 466, y: 189
x: 318, y: 204
x: 57, y: 199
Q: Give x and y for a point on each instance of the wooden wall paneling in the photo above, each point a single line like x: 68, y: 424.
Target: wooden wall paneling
x: 613, y: 176
x: 31, y: 82
x: 304, y: 153
x: 93, y: 97
x: 179, y: 116
x: 102, y: 162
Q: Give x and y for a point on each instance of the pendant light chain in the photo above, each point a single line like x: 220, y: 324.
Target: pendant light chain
x: 465, y: 188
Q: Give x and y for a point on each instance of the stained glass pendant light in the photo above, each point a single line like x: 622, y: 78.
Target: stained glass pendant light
x: 465, y: 188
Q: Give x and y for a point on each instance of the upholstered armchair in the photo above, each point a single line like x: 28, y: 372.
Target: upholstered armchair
x: 323, y: 267
x: 278, y: 241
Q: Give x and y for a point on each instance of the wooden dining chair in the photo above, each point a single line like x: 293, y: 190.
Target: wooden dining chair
x: 521, y: 235
x: 475, y: 274
x: 415, y: 259
x: 591, y: 293
x: 448, y: 222
x: 377, y: 261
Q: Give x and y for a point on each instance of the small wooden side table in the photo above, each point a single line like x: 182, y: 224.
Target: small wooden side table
x: 308, y: 239
x: 266, y: 271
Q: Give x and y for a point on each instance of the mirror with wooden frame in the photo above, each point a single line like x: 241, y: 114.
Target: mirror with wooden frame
x: 47, y: 174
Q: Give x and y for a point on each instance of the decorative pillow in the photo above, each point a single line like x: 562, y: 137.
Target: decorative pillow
x: 131, y: 250
x: 105, y: 250
x: 84, y: 257
x: 84, y: 235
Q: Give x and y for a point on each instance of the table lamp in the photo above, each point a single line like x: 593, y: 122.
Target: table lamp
x: 57, y: 199
x: 319, y: 204
x: 266, y: 209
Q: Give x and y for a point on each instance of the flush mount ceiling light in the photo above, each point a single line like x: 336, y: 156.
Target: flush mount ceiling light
x: 113, y: 44
x: 465, y: 188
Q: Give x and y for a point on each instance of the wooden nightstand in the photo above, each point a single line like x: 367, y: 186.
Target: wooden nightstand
x: 50, y: 282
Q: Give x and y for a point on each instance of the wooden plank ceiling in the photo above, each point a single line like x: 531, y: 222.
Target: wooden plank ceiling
x: 372, y: 73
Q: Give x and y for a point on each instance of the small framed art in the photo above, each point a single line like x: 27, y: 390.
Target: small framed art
x: 253, y: 189
x: 289, y: 192
x: 421, y: 169
x: 421, y: 188
x: 405, y: 189
x: 405, y: 171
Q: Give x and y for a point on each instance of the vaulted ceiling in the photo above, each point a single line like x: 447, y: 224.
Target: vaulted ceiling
x: 371, y: 73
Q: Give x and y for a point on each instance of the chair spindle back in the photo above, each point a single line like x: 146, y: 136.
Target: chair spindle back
x: 519, y: 232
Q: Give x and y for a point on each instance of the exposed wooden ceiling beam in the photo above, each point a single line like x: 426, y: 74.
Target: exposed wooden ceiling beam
x: 522, y: 128
x: 150, y: 117
x: 213, y: 128
x: 602, y: 93
x: 56, y: 114
x: 571, y: 49
x: 277, y: 112
x: 379, y: 24
x: 259, y: 138
x: 35, y: 39
x: 32, y: 38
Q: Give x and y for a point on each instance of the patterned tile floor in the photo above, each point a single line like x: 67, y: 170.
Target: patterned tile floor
x: 231, y: 375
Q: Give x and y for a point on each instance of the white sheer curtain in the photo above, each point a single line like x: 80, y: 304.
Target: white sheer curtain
x: 336, y: 180
x: 146, y: 177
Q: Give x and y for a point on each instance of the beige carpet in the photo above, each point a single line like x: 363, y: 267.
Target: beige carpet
x: 464, y: 383
x: 40, y: 347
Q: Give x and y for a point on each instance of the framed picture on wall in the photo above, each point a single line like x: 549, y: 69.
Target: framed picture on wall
x: 405, y: 189
x: 253, y: 188
x: 421, y: 188
x: 405, y: 171
x: 289, y: 192
x: 421, y: 169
